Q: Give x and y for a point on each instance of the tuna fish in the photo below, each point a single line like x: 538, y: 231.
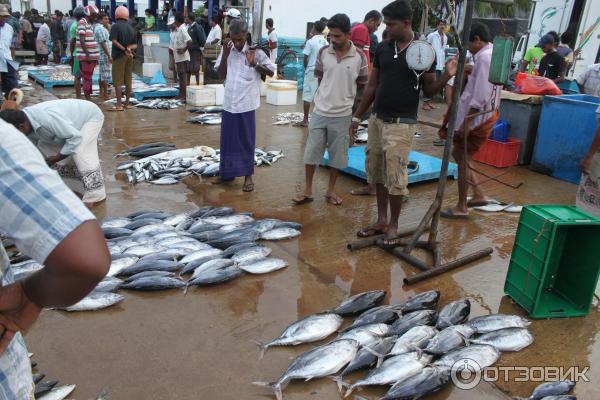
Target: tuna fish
x: 235, y: 237
x: 367, y: 357
x: 151, y: 265
x: 509, y: 339
x: 320, y: 362
x: 217, y: 263
x: 251, y: 254
x: 143, y: 250
x: 230, y: 219
x: 263, y: 266
x: 359, y: 302
x: 307, y: 330
x: 96, y: 301
x: 556, y: 388
x: 58, y: 393
x: 413, y: 340
x: 381, y: 314
x: 367, y: 335
x: 408, y: 321
x: 200, y: 254
x: 119, y: 264
x: 231, y: 250
x: 202, y: 227
x: 215, y: 276
x: 480, y: 355
x: 154, y: 283
x: 449, y: 339
x: 453, y: 313
x: 108, y: 284
x: 111, y: 233
x: 146, y: 274
x: 392, y: 370
x: 280, y: 234
x: 119, y: 222
x: 423, y: 301
x: 191, y: 266
x: 133, y: 225
x: 427, y: 381
x: 494, y: 322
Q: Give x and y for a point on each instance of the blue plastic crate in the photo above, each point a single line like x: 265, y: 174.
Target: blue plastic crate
x: 500, y: 132
x: 566, y: 129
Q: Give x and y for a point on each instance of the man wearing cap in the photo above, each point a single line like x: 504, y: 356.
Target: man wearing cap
x: 124, y: 43
x: 7, y: 73
x: 87, y: 48
x: 552, y: 65
x: 231, y: 15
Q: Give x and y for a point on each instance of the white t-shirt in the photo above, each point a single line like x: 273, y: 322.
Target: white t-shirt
x: 179, y: 41
x: 215, y: 33
x: 273, y: 39
x: 311, y: 49
x: 439, y: 43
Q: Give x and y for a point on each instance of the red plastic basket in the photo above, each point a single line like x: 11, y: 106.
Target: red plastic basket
x: 499, y: 154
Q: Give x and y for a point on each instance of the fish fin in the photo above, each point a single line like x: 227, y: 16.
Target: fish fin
x: 263, y: 347
x: 338, y: 379
x: 349, y: 391
x: 185, y: 289
x: 379, y: 356
x: 274, y: 386
x: 419, y: 351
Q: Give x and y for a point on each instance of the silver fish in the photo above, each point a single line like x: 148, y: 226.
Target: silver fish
x: 320, y: 362
x: 251, y: 254
x: 230, y: 219
x: 494, y: 322
x: 200, y: 254
x: 453, y: 313
x: 449, y: 339
x: 509, y: 339
x: 175, y: 219
x: 423, y: 301
x: 427, y: 381
x: 555, y: 388
x: 480, y: 355
x: 118, y: 265
x: 263, y: 266
x: 215, y: 276
x: 108, y: 284
x: 367, y: 357
x: 413, y: 340
x: 360, y: 302
x: 146, y: 274
x: 96, y: 301
x: 115, y: 222
x: 368, y: 334
x: 154, y: 283
x: 217, y: 263
x: 231, y: 250
x: 392, y: 370
x: 280, y: 234
x: 143, y: 250
x: 423, y: 317
x: 58, y: 393
x: 307, y: 330
x: 165, y: 180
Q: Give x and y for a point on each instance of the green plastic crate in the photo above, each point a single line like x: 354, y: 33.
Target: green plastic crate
x: 555, y: 263
x: 501, y: 59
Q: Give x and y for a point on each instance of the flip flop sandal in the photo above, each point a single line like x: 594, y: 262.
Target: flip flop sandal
x: 304, y: 200
x: 439, y: 142
x: 333, y: 201
x: 413, y: 167
x: 248, y: 188
x: 369, y: 232
x: 115, y: 109
x: 472, y: 204
x: 449, y: 214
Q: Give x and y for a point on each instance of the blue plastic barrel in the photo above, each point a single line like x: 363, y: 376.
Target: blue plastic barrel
x: 565, y: 132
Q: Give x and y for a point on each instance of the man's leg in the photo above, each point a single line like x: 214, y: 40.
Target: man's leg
x: 459, y: 156
x: 338, y: 142
x: 306, y: 112
x: 313, y: 153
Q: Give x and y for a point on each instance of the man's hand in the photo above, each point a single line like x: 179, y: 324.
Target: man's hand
x: 51, y: 160
x: 353, y: 130
x: 452, y: 67
x: 17, y: 313
x: 110, y: 60
x: 586, y: 165
x: 251, y: 57
x: 182, y: 51
x: 227, y: 45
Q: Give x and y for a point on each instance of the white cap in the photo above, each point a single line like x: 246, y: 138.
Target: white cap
x: 234, y: 13
x: 171, y: 21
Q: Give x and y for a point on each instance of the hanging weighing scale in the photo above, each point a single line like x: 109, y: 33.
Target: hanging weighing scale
x: 420, y: 56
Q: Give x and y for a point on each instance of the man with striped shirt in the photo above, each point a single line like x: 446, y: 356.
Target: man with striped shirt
x: 88, y: 52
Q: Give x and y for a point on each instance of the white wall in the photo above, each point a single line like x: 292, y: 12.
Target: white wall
x: 291, y: 17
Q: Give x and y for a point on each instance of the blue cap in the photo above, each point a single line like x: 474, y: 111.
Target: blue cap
x: 546, y: 39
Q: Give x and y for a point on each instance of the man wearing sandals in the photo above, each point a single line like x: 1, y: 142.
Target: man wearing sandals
x: 124, y: 43
x: 341, y: 69
x: 395, y: 89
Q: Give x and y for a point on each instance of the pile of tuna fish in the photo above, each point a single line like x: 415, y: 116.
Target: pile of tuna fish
x: 165, y: 165
x: 153, y: 250
x: 160, y: 104
x: 410, y: 346
x: 288, y: 118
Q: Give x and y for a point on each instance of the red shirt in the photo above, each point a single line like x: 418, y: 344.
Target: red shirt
x: 361, y: 38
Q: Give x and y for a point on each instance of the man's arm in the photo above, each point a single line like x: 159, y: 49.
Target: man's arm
x: 305, y: 61
x: 368, y: 93
x: 83, y: 44
x: 562, y: 66
x: 523, y: 66
x: 221, y: 63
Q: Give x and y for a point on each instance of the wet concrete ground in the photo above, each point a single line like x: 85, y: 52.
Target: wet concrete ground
x: 170, y: 346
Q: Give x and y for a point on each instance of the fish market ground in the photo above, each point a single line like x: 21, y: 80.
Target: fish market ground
x: 170, y: 346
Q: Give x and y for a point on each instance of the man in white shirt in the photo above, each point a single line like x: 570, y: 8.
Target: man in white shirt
x: 8, y: 74
x: 180, y: 43
x: 589, y: 80
x: 439, y: 41
x: 311, y: 83
x: 216, y: 34
x: 272, y: 40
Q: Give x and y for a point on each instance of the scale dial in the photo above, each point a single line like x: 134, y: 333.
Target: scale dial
x: 420, y: 55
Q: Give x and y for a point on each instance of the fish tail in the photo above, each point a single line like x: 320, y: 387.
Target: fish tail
x: 185, y: 289
x: 338, y: 379
x: 349, y: 391
x: 274, y: 386
x: 263, y: 348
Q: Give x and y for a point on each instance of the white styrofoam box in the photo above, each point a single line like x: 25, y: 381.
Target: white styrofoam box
x: 200, y: 96
x: 280, y: 93
x: 193, y: 79
x: 150, y: 69
x: 148, y: 59
x: 219, y: 93
x: 263, y: 85
x: 149, y: 38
